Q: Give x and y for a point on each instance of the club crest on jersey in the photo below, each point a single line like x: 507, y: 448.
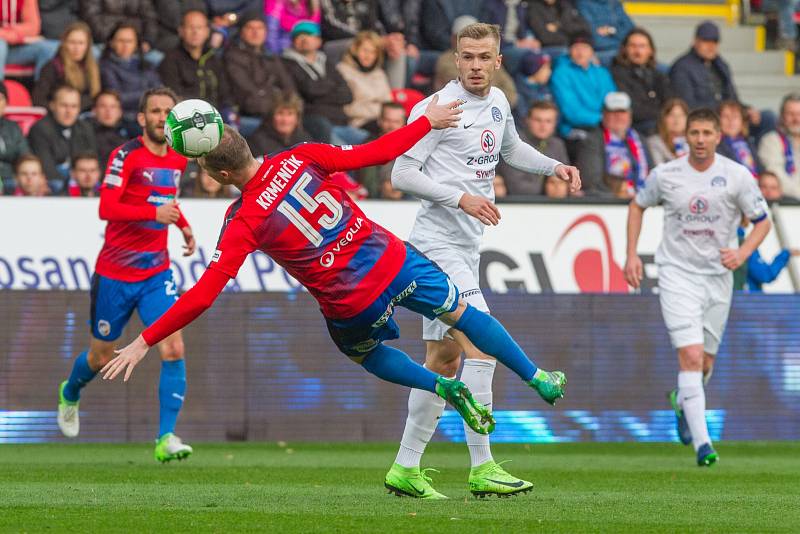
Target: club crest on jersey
x: 698, y: 205
x: 497, y: 115
x: 104, y: 327
x: 487, y: 141
x: 719, y: 181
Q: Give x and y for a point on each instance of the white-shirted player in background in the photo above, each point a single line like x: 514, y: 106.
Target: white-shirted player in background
x: 704, y: 196
x: 452, y: 173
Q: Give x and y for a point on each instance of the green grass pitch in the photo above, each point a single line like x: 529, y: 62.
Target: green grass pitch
x: 246, y: 487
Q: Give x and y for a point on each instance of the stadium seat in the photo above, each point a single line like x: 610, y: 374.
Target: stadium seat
x: 408, y: 98
x: 18, y: 95
x: 19, y: 71
x: 25, y: 116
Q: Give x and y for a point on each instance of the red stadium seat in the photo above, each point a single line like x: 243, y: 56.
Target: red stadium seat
x: 25, y: 116
x: 18, y: 95
x: 19, y: 71
x: 408, y: 98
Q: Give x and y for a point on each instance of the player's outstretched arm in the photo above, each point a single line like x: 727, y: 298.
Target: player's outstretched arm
x: 634, y: 270
x: 188, y: 308
x: 387, y: 147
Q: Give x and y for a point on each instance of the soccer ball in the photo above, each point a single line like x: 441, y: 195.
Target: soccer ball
x: 193, y: 128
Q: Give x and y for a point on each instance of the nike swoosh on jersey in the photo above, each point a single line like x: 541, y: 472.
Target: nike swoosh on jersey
x: 468, y: 125
x: 516, y: 484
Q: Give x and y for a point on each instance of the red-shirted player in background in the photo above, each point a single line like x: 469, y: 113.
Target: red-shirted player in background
x: 132, y: 271
x: 357, y: 270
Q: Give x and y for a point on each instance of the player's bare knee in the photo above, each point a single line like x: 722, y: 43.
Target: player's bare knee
x: 447, y: 368
x: 443, y: 357
x: 171, y: 349
x: 691, y: 358
x: 99, y: 357
x: 100, y: 353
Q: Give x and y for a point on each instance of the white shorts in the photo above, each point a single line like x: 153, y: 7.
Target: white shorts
x: 694, y: 306
x: 463, y: 269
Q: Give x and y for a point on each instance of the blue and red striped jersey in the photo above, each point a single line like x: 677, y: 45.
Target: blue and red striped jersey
x: 136, y: 183
x: 312, y: 228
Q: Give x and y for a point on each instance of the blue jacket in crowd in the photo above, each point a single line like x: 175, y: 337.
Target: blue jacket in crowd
x: 579, y: 93
x: 691, y: 80
x: 605, y: 13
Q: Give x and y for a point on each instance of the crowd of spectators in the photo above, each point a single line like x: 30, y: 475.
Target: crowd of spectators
x: 585, y: 85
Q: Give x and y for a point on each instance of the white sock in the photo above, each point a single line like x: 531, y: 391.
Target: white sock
x: 477, y: 376
x: 692, y: 398
x: 424, y: 410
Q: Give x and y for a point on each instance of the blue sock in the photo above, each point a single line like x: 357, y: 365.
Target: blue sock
x: 393, y: 365
x: 171, y: 389
x: 81, y: 375
x: 491, y: 338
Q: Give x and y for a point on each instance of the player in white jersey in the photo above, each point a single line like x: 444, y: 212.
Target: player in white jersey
x: 704, y: 196
x: 453, y: 175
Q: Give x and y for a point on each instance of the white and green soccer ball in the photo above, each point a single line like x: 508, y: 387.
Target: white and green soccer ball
x: 193, y: 128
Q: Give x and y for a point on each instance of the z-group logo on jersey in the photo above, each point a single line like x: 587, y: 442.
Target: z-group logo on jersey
x: 487, y: 141
x: 698, y: 205
x: 719, y: 181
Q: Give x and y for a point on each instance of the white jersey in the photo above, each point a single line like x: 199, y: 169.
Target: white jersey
x: 464, y: 157
x: 701, y: 210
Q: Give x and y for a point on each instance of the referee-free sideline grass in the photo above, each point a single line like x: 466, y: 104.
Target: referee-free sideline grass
x: 298, y: 487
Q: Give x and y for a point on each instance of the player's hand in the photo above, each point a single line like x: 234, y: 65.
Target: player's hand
x: 445, y: 116
x: 569, y: 174
x: 168, y: 213
x: 731, y: 258
x: 794, y: 251
x: 126, y: 360
x: 188, y: 239
x: 634, y: 271
x: 481, y: 208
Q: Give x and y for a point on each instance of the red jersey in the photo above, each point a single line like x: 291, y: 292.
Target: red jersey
x: 136, y: 183
x: 290, y: 211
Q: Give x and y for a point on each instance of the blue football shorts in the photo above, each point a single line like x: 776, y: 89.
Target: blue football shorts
x: 421, y: 286
x: 113, y: 302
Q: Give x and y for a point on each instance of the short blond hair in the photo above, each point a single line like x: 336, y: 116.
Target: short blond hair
x: 231, y: 154
x: 480, y: 30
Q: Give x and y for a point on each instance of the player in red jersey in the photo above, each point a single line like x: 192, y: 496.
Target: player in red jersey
x: 132, y: 271
x: 357, y: 270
